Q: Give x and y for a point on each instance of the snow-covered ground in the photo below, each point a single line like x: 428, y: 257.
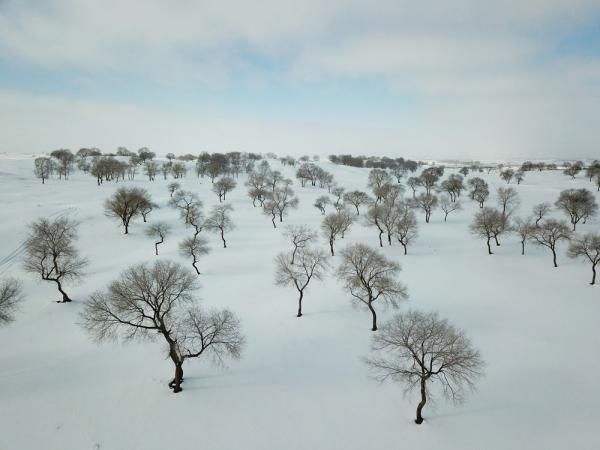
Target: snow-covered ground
x: 301, y: 383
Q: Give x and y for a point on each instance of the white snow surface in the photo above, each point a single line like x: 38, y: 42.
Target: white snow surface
x: 301, y: 383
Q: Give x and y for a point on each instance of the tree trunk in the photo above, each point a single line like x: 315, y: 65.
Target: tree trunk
x: 554, y: 257
x: 223, y: 239
x: 380, y: 241
x: 593, y: 274
x: 389, y: 237
x: 374, y: 314
x: 273, y: 222
x: 331, y: 247
x: 522, y: 247
x: 404, y: 245
x: 300, y: 304
x: 488, y: 246
x: 126, y: 224
x: 496, y: 239
x: 419, y: 419
x: 66, y: 298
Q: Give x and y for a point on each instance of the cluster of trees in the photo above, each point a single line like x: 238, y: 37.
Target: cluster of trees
x: 384, y: 162
x: 577, y: 204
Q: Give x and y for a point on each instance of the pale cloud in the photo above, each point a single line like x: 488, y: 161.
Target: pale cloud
x: 484, y: 76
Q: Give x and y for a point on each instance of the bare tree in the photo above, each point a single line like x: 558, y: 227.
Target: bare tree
x: 578, y: 204
x: 419, y: 348
x: 453, y: 186
x: 587, y: 247
x: 151, y: 169
x: 300, y: 236
x: 357, y: 199
x: 257, y: 183
x: 11, y: 294
x: 125, y: 204
x: 549, y: 232
x: 194, y: 247
x: 525, y: 229
x: 173, y: 187
x: 222, y: 186
x: 406, y: 228
x: 321, y: 203
x: 338, y: 192
x: 427, y: 202
x: 308, y: 264
x: 43, y: 168
x: 334, y: 225
x: 519, y: 176
x: 414, y: 183
x: 540, y: 211
x: 479, y: 190
x: 158, y: 230
x: 448, y: 206
x: 378, y: 178
x: 151, y: 301
x: 146, y: 208
x: 186, y: 202
x: 375, y: 216
x: 51, y: 253
x: 219, y: 220
x: 508, y: 201
x: 370, y: 276
x: 487, y: 224
x: 507, y: 175
x: 280, y: 201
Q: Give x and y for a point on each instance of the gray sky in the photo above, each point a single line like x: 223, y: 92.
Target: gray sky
x: 437, y: 79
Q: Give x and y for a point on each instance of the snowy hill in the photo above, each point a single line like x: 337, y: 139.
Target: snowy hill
x: 301, y: 383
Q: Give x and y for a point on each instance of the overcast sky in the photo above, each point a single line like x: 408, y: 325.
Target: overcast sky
x: 428, y: 79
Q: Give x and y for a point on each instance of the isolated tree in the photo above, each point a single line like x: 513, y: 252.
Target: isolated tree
x: 586, y: 247
x: 186, y: 202
x: 158, y: 300
x: 219, y: 220
x: 334, y: 225
x: 222, y: 186
x: 508, y: 201
x: 300, y: 236
x: 549, y: 233
x: 64, y: 162
x: 525, y: 229
x: 406, y: 229
x: 427, y: 203
x: 281, y: 200
x: 11, y: 294
x: 257, y: 184
x: 126, y: 204
x: 43, y: 168
x: 369, y: 276
x: 486, y: 224
x: 160, y: 231
x: 150, y: 169
x: 429, y: 178
x: 375, y: 217
x: 321, y: 203
x: 572, y: 170
x: 377, y: 179
x: 178, y: 169
x: 507, y: 175
x: 50, y: 252
x: 338, y: 192
x: 416, y: 349
x: 194, y: 247
x: 478, y: 190
x: 519, y: 176
x: 308, y: 264
x: 453, y: 186
x: 357, y: 199
x: 146, y: 208
x: 173, y: 187
x: 540, y: 211
x: 448, y: 206
x: 578, y: 204
x: 414, y: 183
